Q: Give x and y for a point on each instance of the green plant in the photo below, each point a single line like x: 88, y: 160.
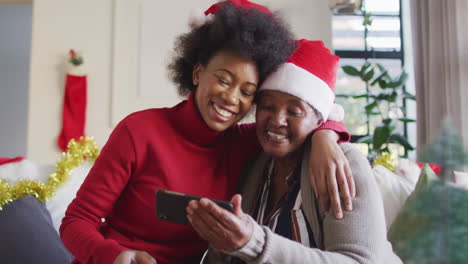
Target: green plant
x: 385, y: 96
x: 385, y: 99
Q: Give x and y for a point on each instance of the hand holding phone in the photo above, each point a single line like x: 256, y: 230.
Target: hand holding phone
x: 222, y: 229
x: 170, y: 206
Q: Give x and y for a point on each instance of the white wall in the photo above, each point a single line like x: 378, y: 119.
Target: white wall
x: 309, y: 19
x: 15, y: 44
x: 59, y: 25
x: 87, y: 26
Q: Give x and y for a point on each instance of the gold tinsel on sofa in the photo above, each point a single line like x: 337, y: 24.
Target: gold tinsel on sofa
x: 77, y: 152
x: 385, y: 159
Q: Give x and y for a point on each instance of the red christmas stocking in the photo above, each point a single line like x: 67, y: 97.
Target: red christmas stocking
x: 74, y: 110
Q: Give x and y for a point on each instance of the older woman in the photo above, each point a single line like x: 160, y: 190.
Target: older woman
x: 288, y: 225
x: 194, y: 147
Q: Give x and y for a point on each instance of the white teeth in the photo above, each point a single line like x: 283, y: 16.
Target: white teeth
x: 276, y: 136
x: 221, y: 111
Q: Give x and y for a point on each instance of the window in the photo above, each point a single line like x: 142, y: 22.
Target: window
x: 382, y: 43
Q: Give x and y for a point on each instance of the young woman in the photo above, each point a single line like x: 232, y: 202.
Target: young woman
x: 195, y: 147
x: 288, y: 225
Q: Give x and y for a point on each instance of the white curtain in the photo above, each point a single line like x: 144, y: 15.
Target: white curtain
x: 440, y: 41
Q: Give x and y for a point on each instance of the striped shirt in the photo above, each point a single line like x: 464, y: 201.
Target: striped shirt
x: 286, y: 217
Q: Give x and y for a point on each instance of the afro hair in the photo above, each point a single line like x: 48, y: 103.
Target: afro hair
x: 251, y: 33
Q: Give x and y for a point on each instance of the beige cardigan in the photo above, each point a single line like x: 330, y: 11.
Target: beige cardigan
x: 358, y: 238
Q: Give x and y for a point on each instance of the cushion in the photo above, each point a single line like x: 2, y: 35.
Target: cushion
x: 29, y: 170
x: 394, y: 190
x: 28, y: 236
x: 25, y: 170
x: 461, y: 179
x: 66, y: 192
x: 409, y: 170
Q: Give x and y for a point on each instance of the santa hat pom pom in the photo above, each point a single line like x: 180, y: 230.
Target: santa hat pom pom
x: 197, y: 18
x: 336, y: 113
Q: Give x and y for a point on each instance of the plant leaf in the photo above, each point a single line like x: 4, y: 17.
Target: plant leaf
x: 407, y: 95
x: 370, y: 107
x: 343, y: 95
x: 382, y: 96
x: 365, y: 139
x: 403, y: 77
x: 387, y: 121
x: 376, y: 80
x: 381, y: 135
x: 393, y: 84
x: 393, y: 97
x: 368, y: 75
x: 367, y: 20
x: 397, y: 138
x: 365, y: 67
x: 361, y: 96
x: 407, y: 120
x: 384, y: 150
x: 399, y: 82
x: 350, y: 70
x: 382, y: 83
x: 381, y: 68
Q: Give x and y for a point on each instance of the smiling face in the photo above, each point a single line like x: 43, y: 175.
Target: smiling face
x: 226, y: 89
x: 283, y: 122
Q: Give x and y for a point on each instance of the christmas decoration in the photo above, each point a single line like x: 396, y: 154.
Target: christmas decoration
x: 387, y: 160
x: 10, y: 160
x: 197, y: 17
x: 74, y: 102
x: 313, y: 66
x: 78, y: 151
x: 432, y: 227
x: 75, y: 58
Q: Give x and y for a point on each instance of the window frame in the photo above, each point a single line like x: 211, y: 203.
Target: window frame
x: 368, y: 53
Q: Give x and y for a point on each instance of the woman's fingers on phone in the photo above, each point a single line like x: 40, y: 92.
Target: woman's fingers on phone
x: 236, y: 201
x: 213, y: 215
x: 223, y: 216
x: 134, y: 256
x: 192, y: 205
x: 142, y: 257
x: 223, y: 229
x: 211, y: 230
x: 201, y: 227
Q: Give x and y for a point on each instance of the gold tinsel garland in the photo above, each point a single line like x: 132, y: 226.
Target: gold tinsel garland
x: 385, y: 159
x: 77, y: 152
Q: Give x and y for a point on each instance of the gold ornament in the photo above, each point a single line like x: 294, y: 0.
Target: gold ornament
x: 77, y: 151
x: 385, y: 159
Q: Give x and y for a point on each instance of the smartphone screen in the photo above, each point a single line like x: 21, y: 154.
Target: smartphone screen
x: 170, y: 206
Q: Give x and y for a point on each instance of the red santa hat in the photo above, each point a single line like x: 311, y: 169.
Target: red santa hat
x: 198, y: 17
x: 309, y: 74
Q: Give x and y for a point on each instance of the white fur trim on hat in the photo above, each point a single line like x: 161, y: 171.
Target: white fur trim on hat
x: 198, y: 18
x: 296, y: 81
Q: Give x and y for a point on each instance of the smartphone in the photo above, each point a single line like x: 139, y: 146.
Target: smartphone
x: 170, y: 206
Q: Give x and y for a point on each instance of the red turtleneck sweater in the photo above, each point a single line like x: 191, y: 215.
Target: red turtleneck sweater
x: 168, y: 148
